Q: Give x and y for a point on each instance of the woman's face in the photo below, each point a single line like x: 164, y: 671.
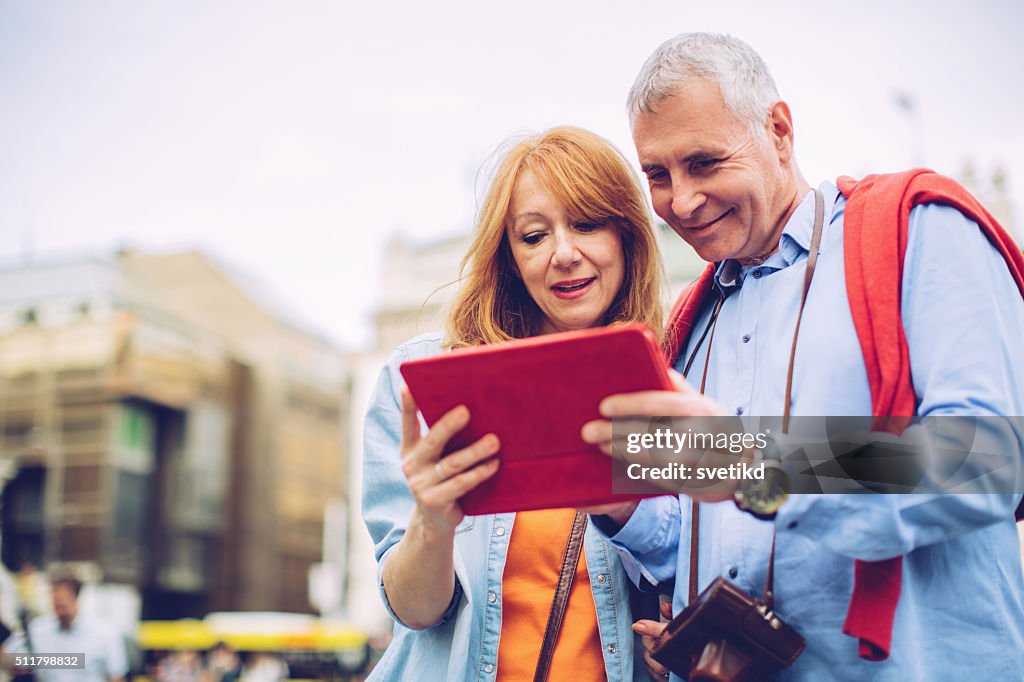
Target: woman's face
x: 572, y: 270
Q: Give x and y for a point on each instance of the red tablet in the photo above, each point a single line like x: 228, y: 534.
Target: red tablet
x: 536, y: 394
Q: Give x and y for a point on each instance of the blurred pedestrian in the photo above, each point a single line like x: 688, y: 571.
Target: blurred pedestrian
x: 33, y: 590
x: 264, y: 666
x: 184, y: 665
x: 67, y: 631
x: 222, y: 664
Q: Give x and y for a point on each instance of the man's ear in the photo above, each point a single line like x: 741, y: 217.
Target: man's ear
x: 780, y: 130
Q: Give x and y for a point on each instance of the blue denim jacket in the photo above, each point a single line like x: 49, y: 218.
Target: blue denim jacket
x: 464, y: 644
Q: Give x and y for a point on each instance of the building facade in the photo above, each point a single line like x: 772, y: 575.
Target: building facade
x: 164, y: 429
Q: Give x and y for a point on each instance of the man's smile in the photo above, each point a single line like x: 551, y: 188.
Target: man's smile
x: 704, y: 226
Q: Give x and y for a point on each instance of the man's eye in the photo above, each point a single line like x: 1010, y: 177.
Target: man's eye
x: 656, y: 176
x: 705, y: 164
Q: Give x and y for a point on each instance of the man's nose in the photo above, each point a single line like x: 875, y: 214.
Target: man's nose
x: 686, y: 199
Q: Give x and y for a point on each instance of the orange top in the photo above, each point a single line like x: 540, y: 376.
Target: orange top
x: 528, y: 585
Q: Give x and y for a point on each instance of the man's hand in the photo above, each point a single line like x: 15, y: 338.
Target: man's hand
x: 684, y: 401
x: 649, y: 632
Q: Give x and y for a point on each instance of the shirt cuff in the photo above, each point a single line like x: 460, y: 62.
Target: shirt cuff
x: 649, y: 528
x: 648, y: 541
x: 449, y: 612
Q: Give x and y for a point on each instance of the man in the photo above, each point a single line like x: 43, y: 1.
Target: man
x: 223, y: 663
x: 68, y: 632
x: 717, y: 146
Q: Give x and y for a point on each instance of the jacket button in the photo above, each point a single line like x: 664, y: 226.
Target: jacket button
x: 499, y: 531
x: 601, y: 578
x: 488, y: 668
x: 611, y: 648
x: 491, y: 597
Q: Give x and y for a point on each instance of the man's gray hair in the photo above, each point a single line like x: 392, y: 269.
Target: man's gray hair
x: 742, y: 76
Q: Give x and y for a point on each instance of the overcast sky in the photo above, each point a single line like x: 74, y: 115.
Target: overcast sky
x: 291, y: 138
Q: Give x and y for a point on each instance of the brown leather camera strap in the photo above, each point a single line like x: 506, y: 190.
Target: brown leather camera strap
x: 812, y: 261
x: 562, y: 589
x: 694, y: 507
x: 694, y: 547
x: 707, y: 328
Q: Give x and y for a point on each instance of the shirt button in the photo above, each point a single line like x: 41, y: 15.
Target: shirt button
x: 491, y: 597
x: 746, y: 338
x: 733, y: 572
x: 601, y: 578
x: 488, y: 668
x: 739, y: 411
x: 611, y: 648
x: 791, y: 525
x: 499, y: 531
x: 757, y: 274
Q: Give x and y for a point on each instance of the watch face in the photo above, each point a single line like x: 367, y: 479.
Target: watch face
x: 765, y: 496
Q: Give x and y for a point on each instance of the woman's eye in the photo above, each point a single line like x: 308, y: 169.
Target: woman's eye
x: 587, y: 226
x: 533, y: 237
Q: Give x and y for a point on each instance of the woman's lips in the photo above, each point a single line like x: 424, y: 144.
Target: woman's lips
x: 574, y: 288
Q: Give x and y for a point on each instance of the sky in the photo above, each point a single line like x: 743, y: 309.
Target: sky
x: 290, y: 139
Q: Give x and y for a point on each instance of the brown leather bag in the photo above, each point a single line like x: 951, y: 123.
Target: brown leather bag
x: 727, y: 636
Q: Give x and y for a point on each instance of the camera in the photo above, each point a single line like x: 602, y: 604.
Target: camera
x: 727, y: 636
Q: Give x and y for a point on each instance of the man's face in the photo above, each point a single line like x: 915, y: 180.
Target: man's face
x: 65, y: 604
x: 721, y: 187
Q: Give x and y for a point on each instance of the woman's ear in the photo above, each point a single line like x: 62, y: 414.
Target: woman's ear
x: 505, y: 254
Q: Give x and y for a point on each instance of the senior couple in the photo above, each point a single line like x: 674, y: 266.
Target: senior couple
x: 882, y: 587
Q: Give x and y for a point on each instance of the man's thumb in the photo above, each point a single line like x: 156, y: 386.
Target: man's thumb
x: 647, y: 627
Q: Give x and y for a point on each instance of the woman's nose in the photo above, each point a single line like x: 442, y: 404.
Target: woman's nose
x: 566, y: 253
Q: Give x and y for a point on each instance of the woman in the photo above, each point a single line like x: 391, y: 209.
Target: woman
x: 563, y: 241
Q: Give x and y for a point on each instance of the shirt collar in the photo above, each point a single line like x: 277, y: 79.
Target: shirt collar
x: 793, y: 245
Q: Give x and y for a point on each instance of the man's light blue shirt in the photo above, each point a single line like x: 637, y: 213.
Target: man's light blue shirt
x: 961, y: 612
x: 104, y: 651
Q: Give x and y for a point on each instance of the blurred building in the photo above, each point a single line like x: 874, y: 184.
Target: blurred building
x: 992, y: 191
x: 164, y: 426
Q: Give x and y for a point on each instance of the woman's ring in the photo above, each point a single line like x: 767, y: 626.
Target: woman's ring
x: 439, y: 471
